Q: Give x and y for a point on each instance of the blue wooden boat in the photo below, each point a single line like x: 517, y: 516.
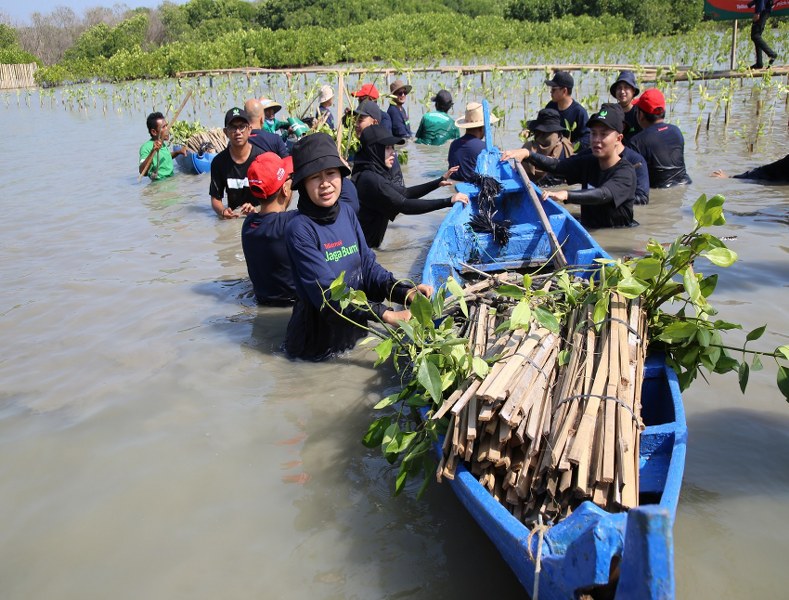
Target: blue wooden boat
x: 627, y: 555
x: 196, y: 163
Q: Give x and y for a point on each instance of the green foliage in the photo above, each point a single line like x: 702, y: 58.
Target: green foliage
x: 14, y: 55
x: 181, y: 131
x: 101, y: 40
x: 649, y: 16
x: 8, y: 36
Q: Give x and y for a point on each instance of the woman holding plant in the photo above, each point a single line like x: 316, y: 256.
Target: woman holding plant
x: 326, y: 248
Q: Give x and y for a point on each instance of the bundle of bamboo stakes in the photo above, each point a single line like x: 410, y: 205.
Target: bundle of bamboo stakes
x: 216, y: 137
x: 543, y: 437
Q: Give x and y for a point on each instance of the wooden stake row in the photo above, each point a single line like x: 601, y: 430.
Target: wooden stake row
x: 543, y: 437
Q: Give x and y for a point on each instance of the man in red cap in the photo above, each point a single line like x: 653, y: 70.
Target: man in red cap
x: 263, y: 233
x: 368, y: 91
x: 660, y: 143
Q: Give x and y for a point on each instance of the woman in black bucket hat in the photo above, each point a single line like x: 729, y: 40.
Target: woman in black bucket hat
x: 323, y: 241
x: 625, y: 89
x: 550, y: 137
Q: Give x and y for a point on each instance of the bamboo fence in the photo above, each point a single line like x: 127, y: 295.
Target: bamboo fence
x: 17, y: 76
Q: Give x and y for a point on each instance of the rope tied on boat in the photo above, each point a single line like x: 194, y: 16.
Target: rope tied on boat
x: 483, y: 221
x: 540, y: 529
x: 636, y: 420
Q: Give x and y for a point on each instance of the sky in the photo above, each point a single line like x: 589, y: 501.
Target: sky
x: 19, y: 11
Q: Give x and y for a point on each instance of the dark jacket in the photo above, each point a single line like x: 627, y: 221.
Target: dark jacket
x: 663, y: 147
x: 400, y: 124
x: 268, y: 142
x: 463, y: 152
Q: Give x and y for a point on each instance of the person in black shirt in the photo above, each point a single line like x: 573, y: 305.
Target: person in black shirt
x: 761, y: 11
x: 259, y: 137
x: 381, y: 196
x: 229, y: 169
x: 660, y: 143
x: 609, y: 201
x: 263, y: 232
x: 625, y: 89
x: 574, y: 116
x: 775, y: 172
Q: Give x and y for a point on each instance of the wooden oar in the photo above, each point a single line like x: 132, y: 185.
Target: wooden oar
x: 147, y: 164
x: 558, y: 256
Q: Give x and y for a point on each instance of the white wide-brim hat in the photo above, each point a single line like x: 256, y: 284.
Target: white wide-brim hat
x: 326, y: 93
x: 474, y: 117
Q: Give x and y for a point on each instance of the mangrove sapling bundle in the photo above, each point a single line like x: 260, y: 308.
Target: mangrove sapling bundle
x: 543, y: 435
x: 200, y: 142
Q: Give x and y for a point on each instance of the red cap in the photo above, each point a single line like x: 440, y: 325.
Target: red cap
x: 651, y: 102
x: 267, y: 173
x: 369, y: 90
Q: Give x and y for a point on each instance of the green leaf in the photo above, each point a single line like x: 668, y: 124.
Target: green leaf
x: 655, y: 249
x: 721, y: 257
x: 521, y: 315
x: 564, y: 357
x: 708, y: 284
x: 648, y: 268
x: 402, y: 476
x: 428, y: 376
x: 756, y: 333
x: 725, y: 364
x: 677, y: 332
x: 375, y: 432
x: 783, y: 350
x: 388, y: 401
x: 527, y: 280
x: 390, y: 434
x: 511, y: 291
x: 408, y: 329
x: 699, y: 206
x: 384, y: 350
x: 630, y: 287
x: 480, y: 367
x: 756, y: 363
x: 783, y: 381
x: 742, y: 374
x: 547, y: 319
x: 337, y: 287
x: 600, y: 311
x: 454, y: 288
x: 422, y: 310
x: 703, y: 336
x: 725, y: 326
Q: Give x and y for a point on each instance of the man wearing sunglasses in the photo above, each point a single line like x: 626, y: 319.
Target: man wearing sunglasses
x: 396, y: 111
x: 229, y: 169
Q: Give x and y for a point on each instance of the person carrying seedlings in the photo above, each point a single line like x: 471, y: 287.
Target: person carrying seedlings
x: 437, y: 127
x: 775, y: 172
x: 609, y: 200
x: 761, y: 12
x: 381, y: 196
x: 270, y: 122
x: 401, y: 127
x: 463, y: 152
x: 323, y: 240
x: 573, y: 115
x: 369, y: 92
x: 229, y: 169
x: 161, y: 165
x: 325, y: 100
x: 551, y: 138
x: 264, y: 140
x: 660, y: 143
x: 263, y: 232
x: 625, y: 89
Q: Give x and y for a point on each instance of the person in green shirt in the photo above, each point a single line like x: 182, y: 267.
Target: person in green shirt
x: 437, y: 127
x: 271, y: 123
x: 161, y: 166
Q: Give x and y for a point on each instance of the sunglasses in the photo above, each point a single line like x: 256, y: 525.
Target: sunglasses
x: 401, y: 93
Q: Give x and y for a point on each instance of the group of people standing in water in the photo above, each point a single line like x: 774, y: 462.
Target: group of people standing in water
x: 293, y: 256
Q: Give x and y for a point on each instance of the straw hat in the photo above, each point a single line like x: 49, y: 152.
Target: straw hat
x: 474, y: 117
x: 326, y: 93
x: 268, y: 103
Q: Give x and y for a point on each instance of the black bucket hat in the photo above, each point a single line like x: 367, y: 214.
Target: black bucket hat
x: 629, y: 78
x: 314, y: 153
x: 611, y: 115
x: 548, y: 121
x: 378, y: 134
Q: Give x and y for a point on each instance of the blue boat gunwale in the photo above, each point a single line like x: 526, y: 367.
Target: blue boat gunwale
x: 643, y: 534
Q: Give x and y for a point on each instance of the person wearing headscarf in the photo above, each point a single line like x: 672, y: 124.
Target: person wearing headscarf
x: 550, y: 138
x: 437, y: 127
x: 625, y: 89
x: 382, y: 195
x: 324, y: 240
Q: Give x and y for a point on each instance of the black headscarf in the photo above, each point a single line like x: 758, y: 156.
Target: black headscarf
x: 372, y: 154
x: 319, y: 214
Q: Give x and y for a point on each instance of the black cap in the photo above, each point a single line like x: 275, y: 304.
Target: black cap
x: 443, y: 98
x: 629, y: 78
x: 561, y: 79
x: 368, y: 108
x: 611, y: 115
x: 236, y: 113
x: 548, y: 121
x: 378, y: 134
x: 314, y: 153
